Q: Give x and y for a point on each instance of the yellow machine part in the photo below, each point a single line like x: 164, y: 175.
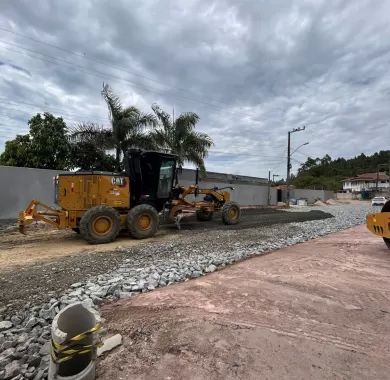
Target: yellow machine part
x: 81, y: 192
x: 77, y: 193
x: 379, y: 224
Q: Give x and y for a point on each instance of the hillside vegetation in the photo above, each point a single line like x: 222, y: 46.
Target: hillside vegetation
x: 325, y: 173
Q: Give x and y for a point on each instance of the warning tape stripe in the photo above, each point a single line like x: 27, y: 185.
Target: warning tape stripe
x: 67, y: 350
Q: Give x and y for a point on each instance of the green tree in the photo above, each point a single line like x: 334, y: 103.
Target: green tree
x: 49, y: 142
x: 88, y: 150
x: 179, y: 137
x: 328, y: 174
x: 45, y: 147
x: 17, y: 152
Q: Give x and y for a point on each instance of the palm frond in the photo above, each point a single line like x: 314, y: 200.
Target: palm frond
x: 91, y: 133
x: 139, y: 140
x: 147, y: 120
x: 113, y: 102
x: 130, y: 112
x: 162, y: 116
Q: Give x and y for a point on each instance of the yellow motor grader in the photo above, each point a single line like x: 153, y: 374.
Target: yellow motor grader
x: 379, y: 224
x: 98, y: 205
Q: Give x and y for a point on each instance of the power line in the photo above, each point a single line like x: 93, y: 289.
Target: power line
x: 64, y: 112
x: 64, y: 116
x: 299, y: 162
x: 101, y: 62
x: 302, y: 153
x: 48, y: 108
x: 103, y: 75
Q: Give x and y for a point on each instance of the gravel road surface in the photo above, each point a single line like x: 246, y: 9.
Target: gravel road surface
x: 48, y: 273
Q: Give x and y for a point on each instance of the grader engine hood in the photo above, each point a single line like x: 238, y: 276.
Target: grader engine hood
x: 80, y: 191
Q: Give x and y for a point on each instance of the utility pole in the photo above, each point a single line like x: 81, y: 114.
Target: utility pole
x: 377, y: 179
x: 269, y: 188
x: 377, y: 176
x: 289, y: 160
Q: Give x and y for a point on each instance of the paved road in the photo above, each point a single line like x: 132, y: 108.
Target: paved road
x: 318, y: 310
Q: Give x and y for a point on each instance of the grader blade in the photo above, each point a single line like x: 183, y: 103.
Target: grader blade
x: 39, y: 212
x: 22, y: 229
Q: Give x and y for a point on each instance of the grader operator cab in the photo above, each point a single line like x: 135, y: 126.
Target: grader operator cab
x: 98, y: 205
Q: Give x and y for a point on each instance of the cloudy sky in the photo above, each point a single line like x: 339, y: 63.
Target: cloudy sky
x: 252, y: 70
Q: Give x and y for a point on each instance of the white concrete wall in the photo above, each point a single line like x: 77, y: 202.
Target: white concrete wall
x: 18, y: 186
x: 311, y: 195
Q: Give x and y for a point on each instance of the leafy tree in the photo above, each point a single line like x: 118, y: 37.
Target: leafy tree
x: 128, y: 125
x: 49, y: 143
x: 325, y: 173
x: 179, y: 137
x: 45, y: 147
x: 88, y: 150
x: 17, y: 152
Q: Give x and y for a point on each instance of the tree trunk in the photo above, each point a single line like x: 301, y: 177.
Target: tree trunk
x: 118, y: 159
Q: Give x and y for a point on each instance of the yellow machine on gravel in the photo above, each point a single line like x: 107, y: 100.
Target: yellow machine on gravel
x: 379, y: 224
x: 99, y: 205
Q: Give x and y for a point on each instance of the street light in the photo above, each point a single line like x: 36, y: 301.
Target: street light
x: 300, y: 146
x: 273, y: 177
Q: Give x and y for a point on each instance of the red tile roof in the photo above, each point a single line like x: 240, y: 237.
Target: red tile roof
x: 369, y: 177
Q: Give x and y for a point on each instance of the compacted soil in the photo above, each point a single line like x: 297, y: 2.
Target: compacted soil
x: 317, y: 310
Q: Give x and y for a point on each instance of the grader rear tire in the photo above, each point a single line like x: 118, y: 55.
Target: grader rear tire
x: 100, y: 224
x: 142, y: 221
x: 231, y: 213
x: 386, y: 208
x: 203, y: 215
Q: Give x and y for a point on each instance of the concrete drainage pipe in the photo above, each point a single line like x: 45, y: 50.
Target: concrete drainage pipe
x: 74, y: 343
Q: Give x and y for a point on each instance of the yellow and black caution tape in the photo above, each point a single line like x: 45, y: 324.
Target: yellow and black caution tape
x: 65, y: 351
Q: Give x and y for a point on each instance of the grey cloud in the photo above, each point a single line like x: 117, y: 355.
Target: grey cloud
x: 252, y: 70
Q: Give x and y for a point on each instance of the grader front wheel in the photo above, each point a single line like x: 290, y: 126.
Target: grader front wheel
x: 142, y: 221
x: 231, y: 213
x: 100, y: 224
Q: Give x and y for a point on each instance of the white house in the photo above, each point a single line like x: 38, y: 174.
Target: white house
x: 367, y: 181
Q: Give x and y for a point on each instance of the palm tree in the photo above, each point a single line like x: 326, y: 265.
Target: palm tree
x: 128, y: 126
x: 89, y: 143
x: 179, y: 137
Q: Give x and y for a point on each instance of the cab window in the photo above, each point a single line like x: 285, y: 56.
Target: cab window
x: 165, y: 178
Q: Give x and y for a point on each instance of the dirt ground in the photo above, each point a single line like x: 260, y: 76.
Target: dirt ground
x: 317, y: 310
x: 42, y: 243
